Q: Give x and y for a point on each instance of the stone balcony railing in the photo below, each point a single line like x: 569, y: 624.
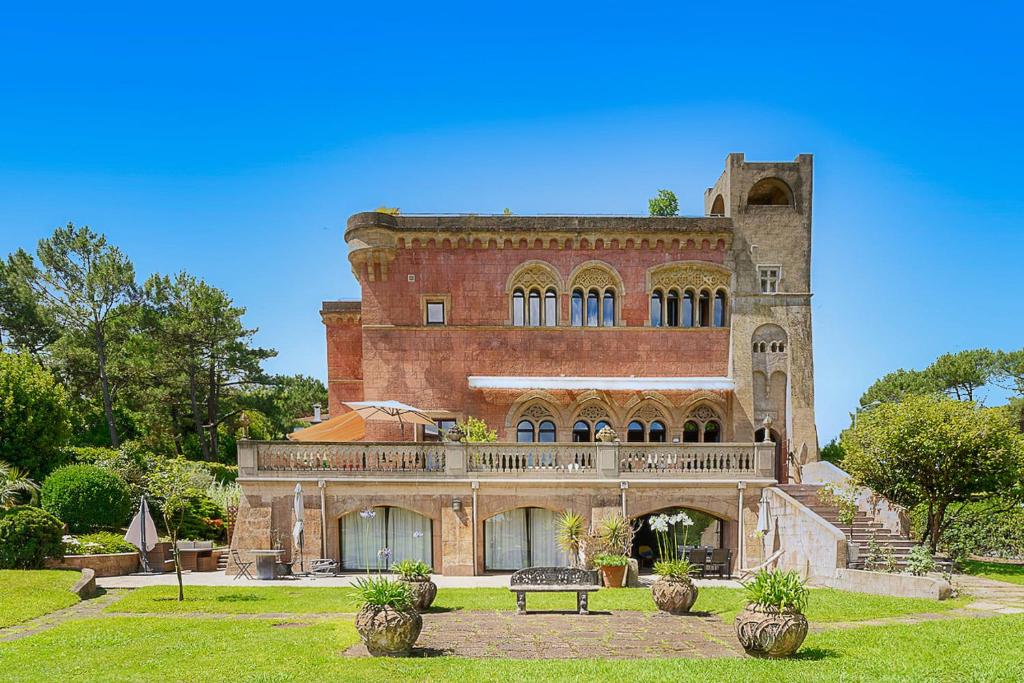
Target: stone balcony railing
x: 289, y: 459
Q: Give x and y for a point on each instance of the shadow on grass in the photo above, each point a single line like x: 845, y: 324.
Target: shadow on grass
x: 815, y: 654
x: 240, y: 597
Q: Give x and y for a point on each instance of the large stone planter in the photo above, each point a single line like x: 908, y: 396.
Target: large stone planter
x: 423, y: 593
x: 675, y: 596
x: 388, y: 632
x: 768, y: 632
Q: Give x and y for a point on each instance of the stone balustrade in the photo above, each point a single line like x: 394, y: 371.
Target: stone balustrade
x: 286, y: 459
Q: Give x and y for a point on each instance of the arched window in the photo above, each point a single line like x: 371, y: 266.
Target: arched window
x: 635, y: 432
x: 577, y: 308
x: 782, y: 346
x: 524, y: 432
x: 592, y: 308
x: 546, y: 433
x: 718, y: 206
x: 518, y: 308
x: 704, y: 312
x: 581, y: 432
x: 755, y: 347
x: 712, y: 431
x: 608, y: 312
x: 691, y: 432
x: 656, y: 308
x: 770, y: 192
x: 688, y: 309
x: 601, y: 424
x: 656, y: 433
x: 535, y: 308
x: 550, y: 308
x: 719, y: 317
x: 672, y: 310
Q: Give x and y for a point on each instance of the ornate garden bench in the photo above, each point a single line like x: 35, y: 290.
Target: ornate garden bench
x: 553, y: 580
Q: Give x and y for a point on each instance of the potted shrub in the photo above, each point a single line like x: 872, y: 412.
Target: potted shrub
x: 607, y: 435
x: 612, y: 567
x: 674, y: 591
x: 387, y: 623
x: 416, y: 575
x: 773, y: 623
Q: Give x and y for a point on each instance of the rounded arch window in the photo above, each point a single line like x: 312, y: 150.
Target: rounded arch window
x: 656, y: 433
x: 718, y: 319
x: 577, y: 308
x: 718, y: 206
x: 592, y: 308
x: 581, y: 432
x: 704, y: 309
x: 688, y: 310
x: 691, y: 432
x: 635, y: 432
x: 656, y: 303
x: 534, y: 308
x: 550, y: 308
x: 770, y: 192
x: 524, y: 432
x: 712, y: 431
x: 601, y: 424
x: 546, y: 432
x: 672, y: 309
x: 608, y: 309
x: 518, y: 308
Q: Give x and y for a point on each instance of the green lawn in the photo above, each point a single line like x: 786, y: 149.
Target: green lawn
x: 826, y: 605
x: 25, y: 595
x: 999, y: 571
x: 177, y: 649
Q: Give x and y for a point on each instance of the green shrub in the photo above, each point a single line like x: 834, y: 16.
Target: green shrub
x: 204, y: 519
x: 992, y: 528
x: 35, y: 420
x: 382, y: 592
x: 412, y: 570
x: 28, y: 535
x: 225, y: 474
x: 610, y: 560
x: 99, y: 543
x: 776, y: 589
x: 674, y: 569
x: 920, y: 560
x: 87, y: 497
x: 130, y: 462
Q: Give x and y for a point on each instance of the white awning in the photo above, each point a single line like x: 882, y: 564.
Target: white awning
x: 603, y: 383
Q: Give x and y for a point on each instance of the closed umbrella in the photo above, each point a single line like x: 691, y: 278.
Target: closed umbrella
x: 764, y: 516
x: 142, y: 533
x: 298, y: 535
x: 390, y: 411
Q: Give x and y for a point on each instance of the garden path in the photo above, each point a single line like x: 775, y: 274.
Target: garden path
x: 82, y: 610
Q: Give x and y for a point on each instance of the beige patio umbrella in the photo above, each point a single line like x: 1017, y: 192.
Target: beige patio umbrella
x: 390, y: 411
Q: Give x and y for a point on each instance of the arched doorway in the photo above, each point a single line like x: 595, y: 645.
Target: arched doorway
x: 376, y: 538
x: 706, y: 531
x: 781, y: 469
x: 522, y: 537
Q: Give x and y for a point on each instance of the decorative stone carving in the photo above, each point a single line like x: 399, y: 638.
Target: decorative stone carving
x: 607, y: 435
x: 648, y: 413
x: 594, y: 412
x: 704, y: 413
x: 423, y: 593
x: 768, y: 632
x: 672, y: 595
x: 537, y: 411
x: 689, y: 276
x: 388, y: 632
x: 594, y: 277
x: 535, y: 276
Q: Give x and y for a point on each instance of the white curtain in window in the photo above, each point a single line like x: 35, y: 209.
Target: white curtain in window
x: 361, y: 539
x: 544, y: 550
x: 505, y: 540
x: 408, y: 536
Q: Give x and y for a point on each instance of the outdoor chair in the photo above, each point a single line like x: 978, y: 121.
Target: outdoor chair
x: 645, y: 555
x: 243, y: 567
x: 322, y: 567
x: 698, y: 557
x: 721, y: 562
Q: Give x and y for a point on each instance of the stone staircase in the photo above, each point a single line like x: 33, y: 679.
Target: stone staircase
x: 860, y: 532
x: 222, y: 561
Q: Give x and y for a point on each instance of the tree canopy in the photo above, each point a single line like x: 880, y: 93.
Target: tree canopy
x: 665, y: 204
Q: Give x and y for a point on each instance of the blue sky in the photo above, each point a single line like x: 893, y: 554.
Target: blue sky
x: 233, y: 141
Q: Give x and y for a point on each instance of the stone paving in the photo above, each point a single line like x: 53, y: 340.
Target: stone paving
x: 545, y: 635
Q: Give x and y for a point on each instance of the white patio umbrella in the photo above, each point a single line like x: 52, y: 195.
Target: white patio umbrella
x: 390, y: 411
x: 142, y: 533
x: 298, y: 529
x: 764, y: 516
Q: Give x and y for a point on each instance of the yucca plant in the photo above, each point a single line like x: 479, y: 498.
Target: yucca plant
x: 778, y: 590
x: 16, y: 488
x: 382, y: 592
x: 569, y: 534
x: 412, y: 570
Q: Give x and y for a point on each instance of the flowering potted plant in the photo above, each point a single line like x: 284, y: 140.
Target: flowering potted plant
x: 386, y: 621
x: 674, y: 591
x: 607, y: 435
x: 612, y: 567
x: 416, y: 575
x: 773, y: 624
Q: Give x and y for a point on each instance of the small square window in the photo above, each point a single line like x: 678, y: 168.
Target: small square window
x: 769, y: 279
x: 435, y: 313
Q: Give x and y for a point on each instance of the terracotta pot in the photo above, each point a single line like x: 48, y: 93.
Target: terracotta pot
x: 388, y: 632
x: 423, y: 593
x: 769, y: 632
x: 613, y: 576
x: 672, y: 595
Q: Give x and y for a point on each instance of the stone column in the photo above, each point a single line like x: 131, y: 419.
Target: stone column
x: 247, y: 464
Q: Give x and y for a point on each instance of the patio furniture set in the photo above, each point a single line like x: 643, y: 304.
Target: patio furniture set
x: 708, y: 561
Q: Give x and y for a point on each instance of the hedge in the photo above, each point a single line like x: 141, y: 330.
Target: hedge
x: 28, y: 535
x: 87, y: 497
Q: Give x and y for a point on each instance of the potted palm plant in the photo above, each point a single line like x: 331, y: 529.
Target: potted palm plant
x: 674, y: 591
x: 773, y: 624
x: 615, y: 540
x: 387, y: 623
x: 416, y: 575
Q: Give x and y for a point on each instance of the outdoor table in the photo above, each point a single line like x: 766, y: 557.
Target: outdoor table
x: 266, y: 561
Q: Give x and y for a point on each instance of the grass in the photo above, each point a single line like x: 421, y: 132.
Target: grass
x: 998, y: 571
x: 26, y: 595
x: 133, y: 648
x: 825, y: 605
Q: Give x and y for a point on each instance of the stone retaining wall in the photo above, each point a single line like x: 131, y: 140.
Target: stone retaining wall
x: 113, y: 564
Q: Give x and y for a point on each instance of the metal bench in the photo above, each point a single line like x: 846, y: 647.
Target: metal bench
x: 582, y: 582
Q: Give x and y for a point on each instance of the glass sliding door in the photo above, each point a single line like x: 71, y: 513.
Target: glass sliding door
x: 523, y: 537
x: 406, y: 534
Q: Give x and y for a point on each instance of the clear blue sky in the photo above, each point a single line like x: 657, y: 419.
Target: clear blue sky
x: 233, y: 141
